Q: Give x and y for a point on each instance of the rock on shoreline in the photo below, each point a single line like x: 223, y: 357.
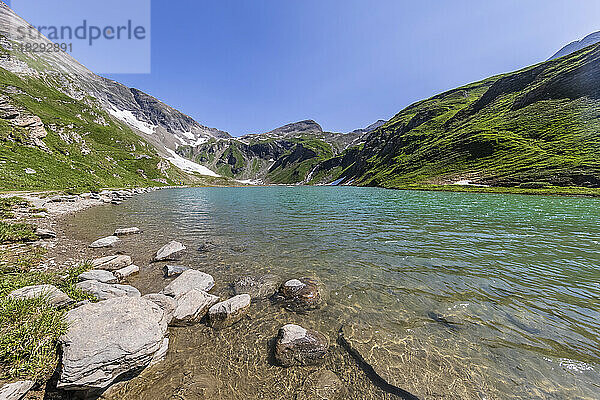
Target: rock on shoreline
x: 172, y: 251
x: 108, y: 339
x: 52, y: 294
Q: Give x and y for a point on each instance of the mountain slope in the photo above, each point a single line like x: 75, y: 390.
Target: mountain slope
x: 577, y: 45
x: 74, y: 128
x: 532, y: 127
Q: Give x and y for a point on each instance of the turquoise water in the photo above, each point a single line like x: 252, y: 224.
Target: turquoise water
x: 448, y: 295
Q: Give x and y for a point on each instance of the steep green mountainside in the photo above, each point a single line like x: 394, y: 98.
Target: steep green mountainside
x: 534, y: 127
x: 49, y: 140
x: 286, y: 155
x: 62, y: 126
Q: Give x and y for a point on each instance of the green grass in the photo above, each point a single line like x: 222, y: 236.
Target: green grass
x: 16, y: 233
x: 29, y: 329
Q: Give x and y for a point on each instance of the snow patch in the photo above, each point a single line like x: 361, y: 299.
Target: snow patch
x: 189, y: 166
x: 130, y: 119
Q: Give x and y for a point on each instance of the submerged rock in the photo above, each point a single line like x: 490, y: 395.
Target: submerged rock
x: 16, y: 390
x: 166, y: 303
x: 298, y: 346
x: 127, y: 231
x: 188, y: 280
x: 206, y: 247
x: 45, y: 233
x: 109, y: 241
x: 193, y: 306
x: 170, y: 252
x: 52, y: 294
x: 257, y: 287
x: 170, y: 271
x: 112, y: 263
x: 105, y: 291
x: 99, y: 275
x: 127, y: 271
x: 322, y: 385
x: 299, y: 295
x: 229, y: 312
x: 108, y: 339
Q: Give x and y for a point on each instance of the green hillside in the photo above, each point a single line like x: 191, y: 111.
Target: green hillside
x: 82, y: 148
x: 532, y: 128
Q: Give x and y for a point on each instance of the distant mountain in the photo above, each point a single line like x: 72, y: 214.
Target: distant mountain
x: 56, y: 115
x: 371, y: 127
x: 285, y: 155
x: 577, y: 45
x: 529, y: 128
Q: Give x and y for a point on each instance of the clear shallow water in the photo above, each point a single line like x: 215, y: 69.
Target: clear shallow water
x: 518, y: 276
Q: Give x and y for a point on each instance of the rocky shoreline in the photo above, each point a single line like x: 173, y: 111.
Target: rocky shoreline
x: 123, y: 333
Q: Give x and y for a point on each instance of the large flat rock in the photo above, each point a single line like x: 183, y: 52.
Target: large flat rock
x: 170, y: 252
x: 105, y: 291
x: 108, y: 339
x: 108, y: 241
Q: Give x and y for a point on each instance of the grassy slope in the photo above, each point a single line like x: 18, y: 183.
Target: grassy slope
x: 116, y: 157
x: 538, y: 125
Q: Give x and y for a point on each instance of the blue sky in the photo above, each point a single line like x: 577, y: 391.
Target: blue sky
x: 248, y: 66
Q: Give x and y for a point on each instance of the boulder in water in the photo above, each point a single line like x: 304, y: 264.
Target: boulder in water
x: 172, y: 251
x: 127, y: 231
x: 166, y: 303
x: 127, y: 271
x: 109, y: 241
x: 193, y: 306
x: 299, y: 295
x: 112, y: 263
x: 258, y: 287
x: 228, y: 312
x: 298, y: 346
x: 188, y: 280
x: 170, y: 271
x: 322, y: 385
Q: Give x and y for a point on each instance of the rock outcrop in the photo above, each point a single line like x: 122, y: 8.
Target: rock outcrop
x: 108, y: 339
x: 298, y: 346
x: 166, y: 303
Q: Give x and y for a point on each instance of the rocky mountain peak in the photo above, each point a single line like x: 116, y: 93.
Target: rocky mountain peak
x: 577, y: 45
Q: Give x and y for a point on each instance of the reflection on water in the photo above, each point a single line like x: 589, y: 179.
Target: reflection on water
x: 448, y: 295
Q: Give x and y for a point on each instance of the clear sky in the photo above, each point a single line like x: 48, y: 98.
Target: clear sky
x: 248, y: 66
